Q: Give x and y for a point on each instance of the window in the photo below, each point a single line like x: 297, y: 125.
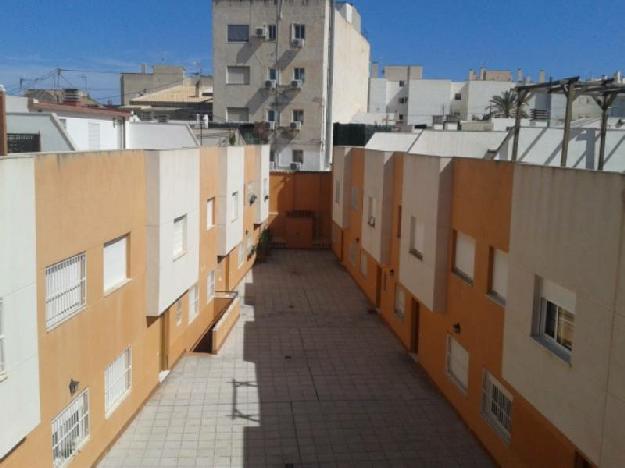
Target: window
x: 66, y: 289
x: 2, y: 357
x: 464, y: 256
x: 117, y: 381
x: 402, y: 83
x: 238, y: 75
x: 401, y: 118
x: 272, y: 32
x: 266, y: 188
x: 496, y: 405
x: 499, y: 275
x: 299, y: 74
x: 355, y: 198
x: 210, y: 287
x: 554, y: 319
x: 238, y: 114
x: 180, y: 237
x: 364, y: 263
x: 299, y: 31
x: 194, y: 303
x: 272, y: 74
x: 298, y: 156
x: 417, y: 238
x: 70, y: 429
x: 210, y: 213
x: 353, y: 252
x: 457, y: 363
x: 403, y: 100
x: 337, y: 192
x: 371, y: 211
x: 241, y: 252
x: 457, y: 97
x: 298, y: 115
x: 178, y: 306
x: 235, y: 206
x: 238, y: 33
x: 271, y: 115
x: 115, y: 263
x: 400, y: 302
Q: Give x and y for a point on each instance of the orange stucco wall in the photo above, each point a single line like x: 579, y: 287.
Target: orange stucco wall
x: 301, y: 191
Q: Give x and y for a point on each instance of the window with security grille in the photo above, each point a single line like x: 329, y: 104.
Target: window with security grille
x: 457, y: 363
x: 194, y: 304
x: 66, y: 289
x: 70, y: 430
x: 496, y: 405
x: 117, y: 381
x: 180, y: 235
x: 210, y: 287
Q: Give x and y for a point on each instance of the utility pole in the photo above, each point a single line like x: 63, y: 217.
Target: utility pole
x: 4, y: 144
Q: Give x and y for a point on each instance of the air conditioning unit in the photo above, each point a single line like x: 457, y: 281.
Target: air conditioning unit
x: 262, y: 32
x: 271, y: 84
x: 296, y: 166
x: 297, y: 43
x: 296, y: 125
x: 297, y: 84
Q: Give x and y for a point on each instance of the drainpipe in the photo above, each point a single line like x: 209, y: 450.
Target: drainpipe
x: 329, y: 124
x: 4, y: 143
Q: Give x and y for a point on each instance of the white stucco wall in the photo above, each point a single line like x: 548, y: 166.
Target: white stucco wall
x: 314, y: 158
x: 392, y: 141
x: 173, y: 190
x: 231, y: 179
x: 454, y: 143
x: 427, y: 98
x: 567, y: 227
x: 378, y: 180
x: 262, y: 213
x: 426, y: 195
x: 377, y: 96
x: 341, y: 173
x: 78, y: 129
x: 479, y: 94
x: 19, y: 390
x: 53, y: 136
x: 150, y: 135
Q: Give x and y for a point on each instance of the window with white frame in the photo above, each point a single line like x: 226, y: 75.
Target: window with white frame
x: 464, y: 256
x: 457, y: 363
x: 400, y: 302
x: 364, y: 263
x: 241, y: 252
x: 355, y: 198
x: 70, y: 429
x: 117, y: 381
x: 337, y: 192
x: 372, y: 207
x: 194, y: 304
x: 2, y: 356
x: 180, y: 237
x: 272, y: 74
x: 178, y: 308
x: 554, y: 317
x: 235, y: 200
x: 299, y: 74
x: 210, y: 287
x: 271, y: 115
x: 417, y: 237
x: 115, y: 263
x: 210, y: 213
x: 499, y: 275
x: 496, y: 405
x: 66, y: 289
x: 299, y: 31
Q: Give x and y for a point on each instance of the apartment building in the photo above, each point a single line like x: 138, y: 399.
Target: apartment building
x: 503, y: 280
x: 109, y: 272
x: 297, y: 65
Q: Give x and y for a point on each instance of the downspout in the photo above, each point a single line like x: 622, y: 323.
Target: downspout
x: 329, y: 140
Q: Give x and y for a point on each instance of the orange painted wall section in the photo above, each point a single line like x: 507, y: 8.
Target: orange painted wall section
x: 301, y: 191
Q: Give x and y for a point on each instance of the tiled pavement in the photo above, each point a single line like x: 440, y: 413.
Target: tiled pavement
x: 308, y: 377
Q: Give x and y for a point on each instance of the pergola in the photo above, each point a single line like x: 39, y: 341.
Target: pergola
x: 603, y: 92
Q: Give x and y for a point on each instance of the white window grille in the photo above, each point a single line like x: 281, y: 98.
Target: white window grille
x: 117, y: 381
x: 180, y: 235
x: 464, y: 256
x: 499, y: 275
x: 2, y: 356
x: 66, y: 289
x: 400, y: 302
x: 417, y: 238
x: 178, y: 306
x: 457, y: 363
x: 194, y: 304
x: 210, y: 287
x: 115, y: 263
x: 70, y: 429
x: 496, y: 405
x: 364, y: 261
x: 210, y: 213
x: 235, y: 206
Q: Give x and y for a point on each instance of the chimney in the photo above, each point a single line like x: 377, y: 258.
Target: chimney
x: 482, y: 73
x: 197, y: 88
x: 4, y: 144
x: 541, y: 76
x: 519, y: 75
x: 375, y: 69
x: 471, y: 75
x: 618, y: 77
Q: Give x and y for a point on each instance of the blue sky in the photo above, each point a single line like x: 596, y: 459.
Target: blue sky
x: 447, y: 37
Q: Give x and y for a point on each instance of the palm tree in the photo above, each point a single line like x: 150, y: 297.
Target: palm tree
x: 505, y: 105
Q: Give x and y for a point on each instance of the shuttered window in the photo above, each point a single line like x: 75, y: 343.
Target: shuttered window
x: 457, y: 363
x: 117, y: 381
x: 464, y: 256
x: 179, y: 237
x: 238, y: 75
x: 496, y: 405
x: 115, y: 263
x: 66, y: 289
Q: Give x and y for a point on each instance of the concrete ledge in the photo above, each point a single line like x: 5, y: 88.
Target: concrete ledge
x: 224, y: 325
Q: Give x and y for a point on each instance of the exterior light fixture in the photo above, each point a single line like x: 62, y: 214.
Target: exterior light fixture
x: 457, y: 328
x: 73, y: 386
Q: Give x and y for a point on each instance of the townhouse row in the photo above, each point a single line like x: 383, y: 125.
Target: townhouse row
x: 505, y: 281
x: 112, y: 265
